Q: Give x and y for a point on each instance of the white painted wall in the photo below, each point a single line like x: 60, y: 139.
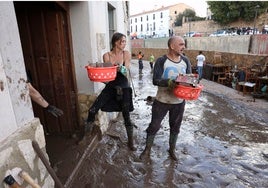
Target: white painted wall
x: 90, y: 37
x: 15, y: 104
x: 8, y: 121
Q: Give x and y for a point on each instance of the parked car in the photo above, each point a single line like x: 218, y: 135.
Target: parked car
x: 189, y: 34
x: 197, y: 35
x: 265, y: 29
x: 219, y: 33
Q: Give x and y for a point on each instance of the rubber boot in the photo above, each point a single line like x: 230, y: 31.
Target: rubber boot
x: 130, y: 138
x: 149, y: 143
x: 172, y: 145
x: 129, y: 126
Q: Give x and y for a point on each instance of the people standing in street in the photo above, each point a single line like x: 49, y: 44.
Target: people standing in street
x: 200, y: 63
x: 117, y: 94
x: 151, y: 61
x: 140, y: 56
x: 166, y: 69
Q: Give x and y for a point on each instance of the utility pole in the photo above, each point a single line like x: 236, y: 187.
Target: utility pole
x: 189, y: 20
x: 255, y: 19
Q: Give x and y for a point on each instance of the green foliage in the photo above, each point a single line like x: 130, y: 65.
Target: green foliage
x: 178, y: 20
x: 224, y: 12
x: 189, y: 15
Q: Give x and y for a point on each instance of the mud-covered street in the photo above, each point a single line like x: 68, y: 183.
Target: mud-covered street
x: 221, y: 144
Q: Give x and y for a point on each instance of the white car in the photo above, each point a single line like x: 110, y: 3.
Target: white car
x: 219, y: 33
x: 189, y: 34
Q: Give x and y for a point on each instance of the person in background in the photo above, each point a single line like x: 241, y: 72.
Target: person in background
x: 117, y: 94
x: 200, y: 63
x: 151, y: 61
x: 140, y: 56
x: 166, y: 70
x: 39, y: 99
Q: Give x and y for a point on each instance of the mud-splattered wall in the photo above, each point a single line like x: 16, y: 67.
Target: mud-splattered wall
x: 15, y: 99
x: 18, y: 126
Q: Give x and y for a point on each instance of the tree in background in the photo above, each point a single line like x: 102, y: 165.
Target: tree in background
x: 189, y: 14
x: 224, y: 12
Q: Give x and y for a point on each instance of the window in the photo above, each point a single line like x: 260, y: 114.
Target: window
x: 135, y: 20
x: 147, y: 27
x: 130, y: 21
x: 153, y: 16
x: 161, y: 15
x: 175, y: 12
x: 141, y: 28
x: 141, y: 19
x: 136, y: 29
x: 154, y: 26
x: 111, y: 19
x: 147, y: 17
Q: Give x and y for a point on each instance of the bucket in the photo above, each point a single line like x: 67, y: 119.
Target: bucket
x: 101, y: 74
x: 188, y: 92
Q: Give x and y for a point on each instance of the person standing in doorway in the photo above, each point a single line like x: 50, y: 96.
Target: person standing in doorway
x: 166, y: 70
x: 151, y: 61
x: 200, y: 63
x: 39, y: 99
x: 140, y: 56
x: 117, y: 94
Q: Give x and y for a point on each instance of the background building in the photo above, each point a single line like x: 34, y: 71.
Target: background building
x: 156, y: 23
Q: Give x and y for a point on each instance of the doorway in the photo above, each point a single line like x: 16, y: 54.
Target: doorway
x: 46, y: 43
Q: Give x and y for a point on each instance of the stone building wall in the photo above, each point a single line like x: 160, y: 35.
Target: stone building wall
x: 207, y: 27
x: 17, y: 153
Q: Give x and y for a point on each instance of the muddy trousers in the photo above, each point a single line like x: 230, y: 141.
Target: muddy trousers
x: 101, y: 100
x: 159, y: 111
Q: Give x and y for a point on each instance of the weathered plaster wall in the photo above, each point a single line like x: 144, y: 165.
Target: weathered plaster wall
x: 91, y: 39
x: 233, y: 44
x: 241, y: 44
x: 18, y: 126
x: 243, y: 51
x: 232, y: 59
x: 13, y: 73
x: 8, y: 121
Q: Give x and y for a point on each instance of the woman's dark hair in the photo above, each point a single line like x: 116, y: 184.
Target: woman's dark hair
x: 116, y: 37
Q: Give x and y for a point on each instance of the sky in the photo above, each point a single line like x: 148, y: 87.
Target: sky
x: 138, y: 6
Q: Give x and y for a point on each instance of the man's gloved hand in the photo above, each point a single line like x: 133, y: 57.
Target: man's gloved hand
x: 171, y: 84
x: 54, y: 110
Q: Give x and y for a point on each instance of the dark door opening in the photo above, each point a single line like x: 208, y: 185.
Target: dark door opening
x: 45, y: 37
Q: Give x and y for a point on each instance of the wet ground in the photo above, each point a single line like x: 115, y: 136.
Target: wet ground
x: 223, y: 143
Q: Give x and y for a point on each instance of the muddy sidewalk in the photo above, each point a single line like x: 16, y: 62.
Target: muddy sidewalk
x: 223, y: 143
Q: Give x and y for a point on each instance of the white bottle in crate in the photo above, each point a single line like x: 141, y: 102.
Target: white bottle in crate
x: 188, y: 79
